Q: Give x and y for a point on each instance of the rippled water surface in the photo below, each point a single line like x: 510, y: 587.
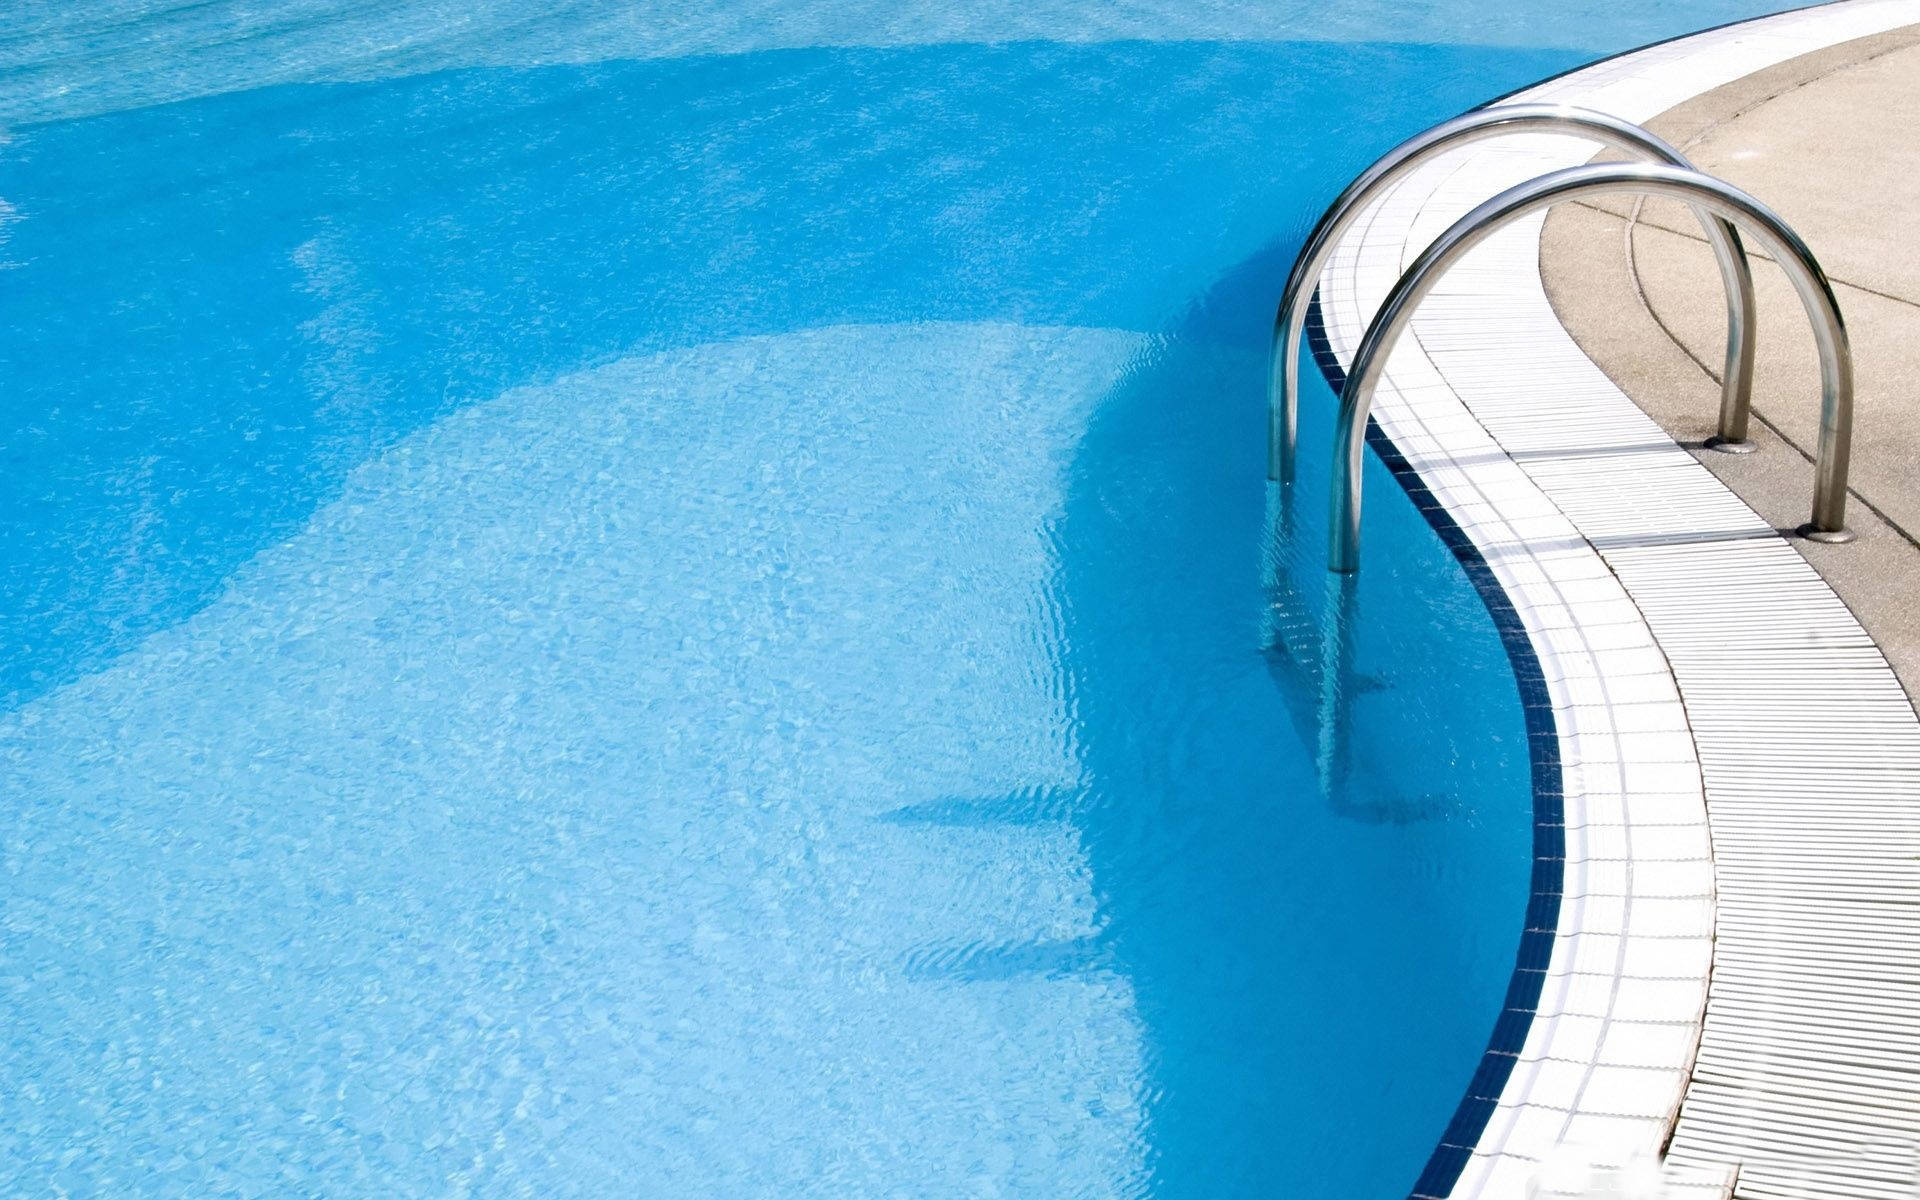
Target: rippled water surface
x: 680, y: 600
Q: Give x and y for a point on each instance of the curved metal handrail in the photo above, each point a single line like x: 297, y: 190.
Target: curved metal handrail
x: 1725, y: 201
x: 1283, y: 402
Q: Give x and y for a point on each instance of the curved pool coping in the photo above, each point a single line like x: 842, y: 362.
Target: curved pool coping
x: 1690, y: 686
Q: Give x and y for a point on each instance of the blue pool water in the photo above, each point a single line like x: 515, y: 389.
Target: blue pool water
x: 681, y: 602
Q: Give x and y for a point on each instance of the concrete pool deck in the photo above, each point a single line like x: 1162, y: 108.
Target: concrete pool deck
x: 1734, y: 982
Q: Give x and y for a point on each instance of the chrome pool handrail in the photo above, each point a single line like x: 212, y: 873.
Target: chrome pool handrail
x: 1726, y: 202
x: 1289, y: 324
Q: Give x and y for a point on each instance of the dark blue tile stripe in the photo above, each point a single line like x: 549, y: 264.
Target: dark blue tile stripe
x: 1470, y: 1119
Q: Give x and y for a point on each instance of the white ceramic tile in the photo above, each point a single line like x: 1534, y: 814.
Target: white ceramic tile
x: 1668, y: 958
x: 1645, y: 1044
x: 1631, y: 1091
x: 1535, y: 1129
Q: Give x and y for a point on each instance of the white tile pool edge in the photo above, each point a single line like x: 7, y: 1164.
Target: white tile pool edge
x: 1634, y: 574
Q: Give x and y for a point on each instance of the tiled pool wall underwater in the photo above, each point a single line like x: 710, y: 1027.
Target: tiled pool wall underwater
x: 1548, y: 877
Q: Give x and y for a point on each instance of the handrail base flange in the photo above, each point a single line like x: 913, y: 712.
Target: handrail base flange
x: 1830, y: 537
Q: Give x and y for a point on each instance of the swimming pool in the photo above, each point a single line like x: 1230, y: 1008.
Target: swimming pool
x: 685, y: 607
